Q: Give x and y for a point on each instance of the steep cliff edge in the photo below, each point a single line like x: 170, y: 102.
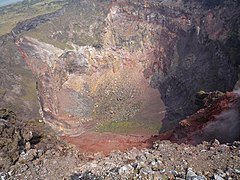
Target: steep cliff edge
x: 18, y: 83
x: 217, y: 119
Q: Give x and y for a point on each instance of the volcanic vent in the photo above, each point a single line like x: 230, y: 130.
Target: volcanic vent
x: 147, y: 58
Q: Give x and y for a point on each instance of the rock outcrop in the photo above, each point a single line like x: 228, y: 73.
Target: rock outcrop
x: 22, y: 141
x: 218, y: 119
x: 10, y: 137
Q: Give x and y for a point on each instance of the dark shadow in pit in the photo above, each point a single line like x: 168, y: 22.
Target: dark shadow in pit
x: 201, y: 64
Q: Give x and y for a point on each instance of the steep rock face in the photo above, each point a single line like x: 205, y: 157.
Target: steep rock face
x: 176, y: 47
x: 17, y: 83
x: 182, y: 47
x: 218, y: 119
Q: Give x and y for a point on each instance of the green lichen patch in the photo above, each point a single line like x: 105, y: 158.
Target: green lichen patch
x: 130, y: 127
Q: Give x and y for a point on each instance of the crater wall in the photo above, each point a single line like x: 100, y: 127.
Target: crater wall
x: 118, y: 61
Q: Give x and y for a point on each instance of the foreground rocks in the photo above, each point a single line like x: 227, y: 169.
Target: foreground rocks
x: 22, y: 142
x: 30, y: 151
x: 10, y: 136
x: 168, y: 161
x: 165, y: 161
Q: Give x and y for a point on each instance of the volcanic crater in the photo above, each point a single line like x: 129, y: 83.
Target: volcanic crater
x: 140, y: 74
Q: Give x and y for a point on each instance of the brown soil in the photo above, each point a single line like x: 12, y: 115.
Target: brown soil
x: 93, y: 142
x: 150, y: 115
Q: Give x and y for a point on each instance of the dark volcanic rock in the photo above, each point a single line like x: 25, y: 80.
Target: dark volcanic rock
x: 10, y: 137
x: 34, y: 22
x: 217, y: 119
x: 21, y: 142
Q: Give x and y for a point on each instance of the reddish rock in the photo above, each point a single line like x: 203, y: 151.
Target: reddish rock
x: 195, y: 128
